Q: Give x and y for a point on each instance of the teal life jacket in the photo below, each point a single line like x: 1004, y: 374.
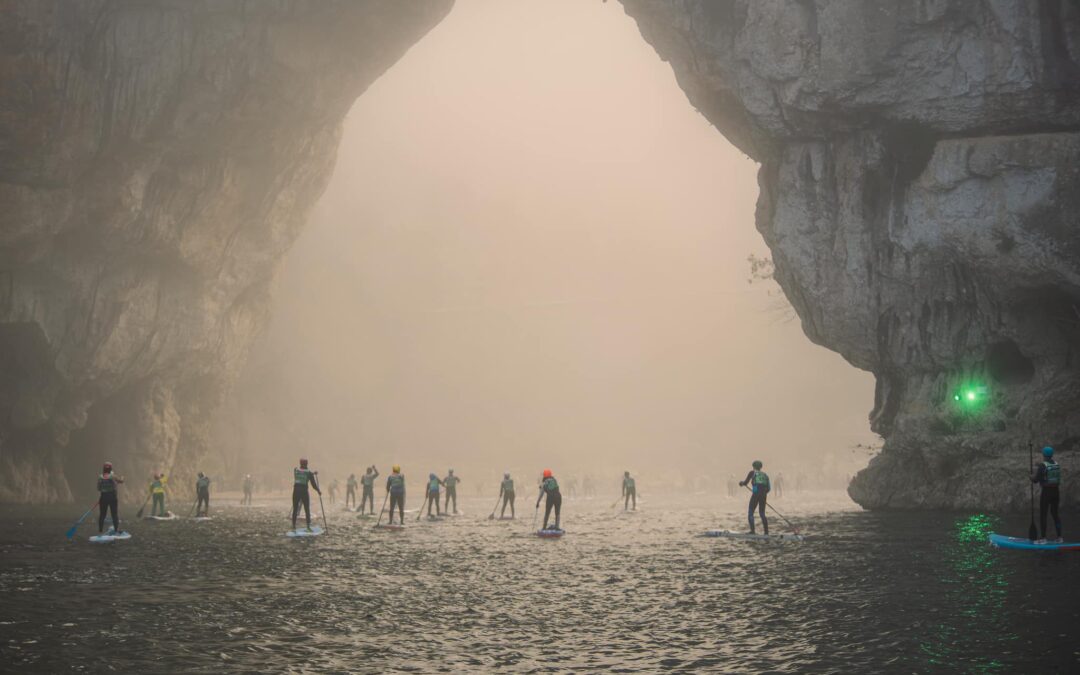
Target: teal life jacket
x: 508, y: 485
x: 396, y: 481
x: 433, y: 485
x: 550, y: 485
x: 301, y: 476
x: 628, y: 483
x: 368, y: 480
x: 157, y: 487
x: 202, y: 484
x: 1053, y: 473
x: 451, y: 483
x: 106, y: 483
x: 761, y: 481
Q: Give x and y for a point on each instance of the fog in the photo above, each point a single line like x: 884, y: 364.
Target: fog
x: 533, y: 253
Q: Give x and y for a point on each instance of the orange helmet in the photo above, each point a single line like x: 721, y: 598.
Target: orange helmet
x: 547, y: 473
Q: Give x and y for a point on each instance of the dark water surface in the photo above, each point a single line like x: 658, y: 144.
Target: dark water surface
x: 865, y: 592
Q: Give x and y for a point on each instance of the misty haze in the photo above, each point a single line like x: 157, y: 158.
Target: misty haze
x: 521, y: 335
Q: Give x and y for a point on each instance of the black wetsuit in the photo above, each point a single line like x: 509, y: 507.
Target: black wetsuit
x: 507, y: 489
x: 550, y: 488
x: 395, y: 485
x: 301, y: 479
x: 202, y: 496
x: 107, y: 488
x: 759, y: 498
x: 1048, y: 476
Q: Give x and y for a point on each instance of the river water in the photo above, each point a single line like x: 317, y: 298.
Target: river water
x: 866, y: 592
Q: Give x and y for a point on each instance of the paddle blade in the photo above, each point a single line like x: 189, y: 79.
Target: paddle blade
x: 71, y: 532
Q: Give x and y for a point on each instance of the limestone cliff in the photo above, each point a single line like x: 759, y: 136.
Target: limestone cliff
x: 156, y: 161
x: 920, y: 192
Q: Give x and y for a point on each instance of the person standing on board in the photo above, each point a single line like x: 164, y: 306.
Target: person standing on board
x: 1048, y: 476
x: 249, y: 489
x: 333, y: 490
x: 506, y: 491
x: 433, y: 494
x: 395, y: 486
x: 759, y: 482
x: 302, y: 477
x: 450, y: 482
x: 157, y: 489
x: 549, y: 487
x: 106, y: 485
x: 629, y: 491
x: 368, y: 481
x: 202, y: 495
x: 350, y: 491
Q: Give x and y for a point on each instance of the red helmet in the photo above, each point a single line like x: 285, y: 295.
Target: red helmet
x: 303, y: 462
x: 547, y: 473
x: 107, y: 467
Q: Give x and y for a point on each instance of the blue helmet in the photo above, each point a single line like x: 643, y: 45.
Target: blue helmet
x: 1048, y: 451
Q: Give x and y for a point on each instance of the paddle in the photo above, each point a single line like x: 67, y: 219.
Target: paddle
x: 71, y: 532
x: 383, y: 509
x: 492, y: 516
x: 143, y: 507
x: 421, y: 512
x: 1033, y: 532
x: 326, y: 525
x: 793, y: 528
x: 194, y: 504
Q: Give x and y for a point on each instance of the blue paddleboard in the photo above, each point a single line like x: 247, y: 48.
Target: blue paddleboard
x: 1024, y: 544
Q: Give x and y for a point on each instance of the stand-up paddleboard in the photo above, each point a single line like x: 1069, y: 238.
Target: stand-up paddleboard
x: 746, y: 536
x: 393, y: 527
x: 365, y: 515
x: 1019, y: 543
x: 169, y: 515
x: 304, y: 532
x: 202, y: 519
x: 550, y: 533
x: 505, y: 518
x: 434, y: 518
x: 110, y: 536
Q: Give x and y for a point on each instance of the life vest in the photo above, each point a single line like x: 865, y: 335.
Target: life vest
x: 508, y: 485
x: 301, y: 476
x: 106, y: 483
x: 451, y: 482
x: 550, y: 485
x: 433, y: 485
x: 628, y: 483
x: 396, y: 481
x: 157, y: 487
x: 202, y: 484
x: 1053, y: 473
x: 368, y: 480
x: 760, y: 481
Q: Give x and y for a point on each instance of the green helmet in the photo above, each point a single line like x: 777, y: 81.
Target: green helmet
x: 757, y: 464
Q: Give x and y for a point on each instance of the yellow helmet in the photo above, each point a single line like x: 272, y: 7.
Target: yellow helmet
x: 397, y: 468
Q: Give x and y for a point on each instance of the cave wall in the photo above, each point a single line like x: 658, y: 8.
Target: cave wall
x: 157, y: 159
x: 920, y: 187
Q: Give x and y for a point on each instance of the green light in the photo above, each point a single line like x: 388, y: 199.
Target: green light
x: 971, y: 396
x: 956, y: 397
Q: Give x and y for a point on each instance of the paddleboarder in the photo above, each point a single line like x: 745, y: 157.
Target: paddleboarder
x: 368, y: 481
x: 395, y: 487
x: 549, y: 488
x: 506, y: 491
x: 629, y: 491
x: 333, y: 490
x: 1048, y: 476
x: 202, y: 495
x: 350, y: 491
x: 450, y: 482
x: 249, y: 489
x: 157, y: 489
x: 759, y: 480
x: 302, y: 477
x: 433, y: 494
x: 107, y: 485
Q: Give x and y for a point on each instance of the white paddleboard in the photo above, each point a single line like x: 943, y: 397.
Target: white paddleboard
x: 550, y: 533
x: 202, y: 519
x: 303, y: 532
x: 170, y: 516
x: 110, y: 536
x: 387, y: 526
x: 746, y: 536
